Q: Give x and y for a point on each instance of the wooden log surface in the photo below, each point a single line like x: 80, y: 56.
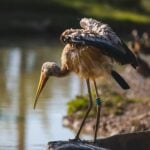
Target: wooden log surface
x: 131, y: 141
x: 73, y: 145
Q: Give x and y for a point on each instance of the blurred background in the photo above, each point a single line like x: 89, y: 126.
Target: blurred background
x: 29, y: 36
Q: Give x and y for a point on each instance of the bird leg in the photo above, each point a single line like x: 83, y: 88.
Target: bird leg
x: 89, y: 109
x: 98, y: 103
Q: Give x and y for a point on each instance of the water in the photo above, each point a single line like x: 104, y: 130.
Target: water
x: 21, y: 127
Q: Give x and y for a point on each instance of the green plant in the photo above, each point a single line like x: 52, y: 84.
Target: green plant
x: 77, y: 104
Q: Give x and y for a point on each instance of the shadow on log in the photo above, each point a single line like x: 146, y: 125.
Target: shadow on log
x: 131, y: 141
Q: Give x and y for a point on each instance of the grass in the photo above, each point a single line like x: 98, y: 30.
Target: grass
x: 77, y: 104
x: 101, y: 10
x: 113, y: 103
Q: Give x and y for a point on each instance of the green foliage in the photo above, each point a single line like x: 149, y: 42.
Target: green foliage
x: 113, y: 103
x: 125, y: 13
x: 124, y: 10
x: 113, y: 98
x: 77, y: 104
x: 109, y: 10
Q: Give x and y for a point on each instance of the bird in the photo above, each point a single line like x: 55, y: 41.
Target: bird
x: 91, y: 52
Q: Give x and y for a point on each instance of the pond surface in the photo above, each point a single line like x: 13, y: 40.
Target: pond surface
x: 21, y: 127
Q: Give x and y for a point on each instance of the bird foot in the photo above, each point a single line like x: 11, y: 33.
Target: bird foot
x: 75, y: 140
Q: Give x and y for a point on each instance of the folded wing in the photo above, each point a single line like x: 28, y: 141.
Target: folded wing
x: 117, y: 50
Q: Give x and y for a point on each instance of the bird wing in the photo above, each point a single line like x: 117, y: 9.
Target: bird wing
x: 116, y: 50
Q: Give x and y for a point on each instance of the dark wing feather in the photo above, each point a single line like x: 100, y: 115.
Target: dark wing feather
x: 119, y: 52
x: 119, y: 79
x: 131, y: 56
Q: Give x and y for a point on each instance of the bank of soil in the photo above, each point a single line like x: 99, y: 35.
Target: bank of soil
x: 133, y: 117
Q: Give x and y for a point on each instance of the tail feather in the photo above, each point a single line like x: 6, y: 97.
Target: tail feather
x: 120, y: 80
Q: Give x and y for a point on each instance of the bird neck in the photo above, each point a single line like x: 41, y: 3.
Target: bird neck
x: 61, y: 71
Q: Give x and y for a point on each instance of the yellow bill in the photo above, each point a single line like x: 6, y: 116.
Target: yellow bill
x: 42, y: 82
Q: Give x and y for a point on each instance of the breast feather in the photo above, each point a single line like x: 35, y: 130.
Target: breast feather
x: 87, y: 62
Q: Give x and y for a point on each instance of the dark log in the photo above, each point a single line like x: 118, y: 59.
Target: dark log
x: 131, y: 141
x: 73, y: 145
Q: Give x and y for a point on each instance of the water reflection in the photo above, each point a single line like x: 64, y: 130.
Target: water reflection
x: 21, y: 127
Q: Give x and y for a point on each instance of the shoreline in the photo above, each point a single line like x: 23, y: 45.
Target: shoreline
x: 134, y: 119
x: 130, y: 113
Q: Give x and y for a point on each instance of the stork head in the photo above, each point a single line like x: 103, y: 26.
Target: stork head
x: 48, y: 69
